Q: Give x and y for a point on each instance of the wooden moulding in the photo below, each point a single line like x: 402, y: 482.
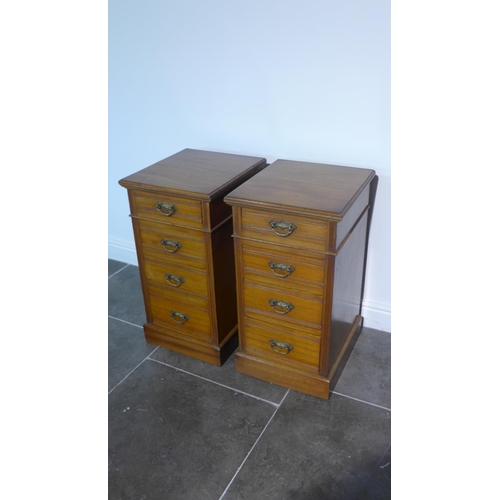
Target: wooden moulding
x: 299, y: 380
x: 214, y: 354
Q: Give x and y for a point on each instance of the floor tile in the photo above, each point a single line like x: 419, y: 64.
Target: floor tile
x: 114, y: 266
x: 367, y: 374
x: 315, y: 450
x: 126, y: 349
x: 125, y: 300
x: 378, y: 486
x: 176, y: 436
x: 225, y: 374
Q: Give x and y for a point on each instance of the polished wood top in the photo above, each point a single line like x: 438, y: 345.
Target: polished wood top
x: 314, y: 189
x: 198, y: 174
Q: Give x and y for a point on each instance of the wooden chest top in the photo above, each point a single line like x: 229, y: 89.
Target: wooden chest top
x: 193, y: 173
x: 318, y: 190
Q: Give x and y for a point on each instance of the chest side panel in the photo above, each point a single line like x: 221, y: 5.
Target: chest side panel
x: 347, y: 288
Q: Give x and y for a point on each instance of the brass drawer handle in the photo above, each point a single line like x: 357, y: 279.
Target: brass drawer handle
x: 280, y: 347
x: 170, y: 245
x: 174, y: 280
x: 176, y: 314
x: 283, y: 307
x: 166, y: 208
x: 284, y: 270
x: 282, y: 228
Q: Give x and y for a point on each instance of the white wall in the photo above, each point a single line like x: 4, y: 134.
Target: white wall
x: 280, y: 79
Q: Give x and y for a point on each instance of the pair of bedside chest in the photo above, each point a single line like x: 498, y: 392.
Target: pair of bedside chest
x: 232, y: 250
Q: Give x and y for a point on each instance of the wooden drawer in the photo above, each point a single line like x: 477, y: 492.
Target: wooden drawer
x: 174, y: 245
x: 290, y: 230
x: 267, y: 265
x: 167, y: 209
x: 282, y: 308
x: 183, y: 315
x: 176, y: 278
x: 174, y: 294
x: 281, y: 346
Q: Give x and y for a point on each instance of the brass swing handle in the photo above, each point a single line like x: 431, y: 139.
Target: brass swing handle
x: 170, y: 245
x: 167, y: 209
x: 280, y: 347
x: 284, y: 270
x: 182, y: 317
x: 174, y: 280
x: 282, y: 228
x: 282, y: 307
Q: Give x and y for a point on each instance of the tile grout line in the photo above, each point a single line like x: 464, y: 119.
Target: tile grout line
x: 223, y: 385
x: 360, y: 400
x: 214, y: 382
x: 126, y: 265
x: 123, y: 321
x: 130, y: 373
x: 251, y: 449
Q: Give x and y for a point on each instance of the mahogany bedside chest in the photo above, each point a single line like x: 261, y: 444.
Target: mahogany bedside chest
x: 182, y: 230
x: 301, y: 234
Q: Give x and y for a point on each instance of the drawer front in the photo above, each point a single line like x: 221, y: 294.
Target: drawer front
x: 173, y: 245
x: 284, y: 229
x: 281, y: 347
x: 185, y: 316
x: 176, y: 278
x: 283, y: 308
x: 269, y: 266
x: 175, y: 295
x: 167, y: 209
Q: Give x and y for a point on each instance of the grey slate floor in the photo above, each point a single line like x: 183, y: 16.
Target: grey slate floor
x: 181, y: 429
